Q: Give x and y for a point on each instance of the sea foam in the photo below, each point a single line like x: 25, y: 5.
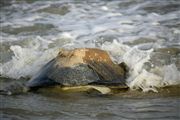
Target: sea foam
x: 82, y: 26
x: 26, y: 62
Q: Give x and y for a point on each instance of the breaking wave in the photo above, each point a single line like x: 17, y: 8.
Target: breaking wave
x: 145, y: 38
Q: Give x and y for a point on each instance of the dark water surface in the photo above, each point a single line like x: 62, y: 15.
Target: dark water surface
x: 83, y: 107
x: 130, y: 105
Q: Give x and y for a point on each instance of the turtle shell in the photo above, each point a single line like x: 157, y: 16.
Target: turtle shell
x: 81, y: 66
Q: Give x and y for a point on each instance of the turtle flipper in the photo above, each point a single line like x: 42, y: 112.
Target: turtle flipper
x: 100, y: 89
x: 42, y: 79
x: 109, y: 74
x: 40, y: 82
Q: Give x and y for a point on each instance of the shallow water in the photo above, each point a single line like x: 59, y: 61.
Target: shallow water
x: 145, y: 34
x: 35, y: 106
x: 129, y: 105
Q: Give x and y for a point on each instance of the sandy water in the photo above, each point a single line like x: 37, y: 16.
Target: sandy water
x: 145, y: 34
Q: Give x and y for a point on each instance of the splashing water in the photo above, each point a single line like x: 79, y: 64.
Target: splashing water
x: 143, y: 34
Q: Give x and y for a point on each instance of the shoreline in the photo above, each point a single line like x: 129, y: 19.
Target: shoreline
x: 167, y: 91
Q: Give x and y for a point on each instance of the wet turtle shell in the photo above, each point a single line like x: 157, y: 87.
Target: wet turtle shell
x: 81, y: 66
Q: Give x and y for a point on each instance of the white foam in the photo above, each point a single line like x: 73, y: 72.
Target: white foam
x: 32, y: 18
x: 145, y: 81
x: 148, y: 81
x: 66, y: 35
x: 139, y: 77
x: 81, y: 26
x: 26, y: 61
x: 105, y: 8
x: 171, y: 75
x: 116, y: 49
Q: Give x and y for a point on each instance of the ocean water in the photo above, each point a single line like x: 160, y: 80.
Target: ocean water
x: 145, y: 34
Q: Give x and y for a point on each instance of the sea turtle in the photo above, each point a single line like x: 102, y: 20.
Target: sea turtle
x: 77, y: 69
